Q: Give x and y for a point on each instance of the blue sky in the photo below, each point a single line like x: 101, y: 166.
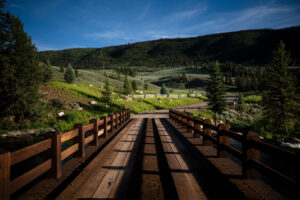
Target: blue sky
x: 61, y: 24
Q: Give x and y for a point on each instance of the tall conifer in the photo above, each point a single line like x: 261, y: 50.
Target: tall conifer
x: 215, y: 91
x: 279, y: 92
x: 20, y: 74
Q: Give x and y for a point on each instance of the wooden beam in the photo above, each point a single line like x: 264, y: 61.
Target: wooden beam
x: 80, y: 140
x: 4, y: 174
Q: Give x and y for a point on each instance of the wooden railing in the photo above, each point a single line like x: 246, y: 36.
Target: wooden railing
x: 251, y: 147
x: 82, y: 135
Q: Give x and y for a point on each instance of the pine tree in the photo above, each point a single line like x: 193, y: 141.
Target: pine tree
x: 61, y: 69
x: 47, y: 72
x: 19, y: 70
x: 107, y: 94
x: 76, y: 73
x: 163, y: 89
x: 69, y: 74
x: 215, y: 91
x: 279, y: 92
x: 146, y: 87
x: 241, y: 103
x: 134, y: 85
x: 127, y: 86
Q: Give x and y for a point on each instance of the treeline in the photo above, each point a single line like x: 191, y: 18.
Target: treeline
x: 251, y: 47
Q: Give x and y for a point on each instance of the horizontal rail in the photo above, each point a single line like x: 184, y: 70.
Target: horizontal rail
x: 108, y: 127
x: 100, y: 132
x: 271, y: 149
x: 251, y: 145
x: 88, y: 127
x: 27, y: 152
x: 53, y: 143
x: 231, y: 134
x: 100, y: 122
x: 272, y: 172
x: 69, y: 151
x: 89, y: 139
x: 232, y: 150
x: 211, y: 138
x: 69, y: 135
x: 29, y: 176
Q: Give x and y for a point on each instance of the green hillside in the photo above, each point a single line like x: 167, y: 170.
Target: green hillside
x: 253, y: 47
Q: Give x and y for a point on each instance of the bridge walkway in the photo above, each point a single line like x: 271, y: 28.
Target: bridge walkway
x: 155, y: 158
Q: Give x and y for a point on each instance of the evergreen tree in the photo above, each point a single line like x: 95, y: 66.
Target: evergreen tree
x: 182, y: 86
x: 146, y: 87
x: 215, y: 91
x: 127, y: 86
x: 47, y: 72
x: 163, y: 89
x: 61, y: 69
x: 69, y: 74
x: 279, y: 92
x: 134, y: 85
x: 241, y: 103
x: 20, y: 74
x: 76, y: 73
x: 107, y: 94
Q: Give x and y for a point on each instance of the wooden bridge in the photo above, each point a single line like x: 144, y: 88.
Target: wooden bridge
x: 154, y: 155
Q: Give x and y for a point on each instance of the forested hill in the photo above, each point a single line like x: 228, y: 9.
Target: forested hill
x: 253, y: 47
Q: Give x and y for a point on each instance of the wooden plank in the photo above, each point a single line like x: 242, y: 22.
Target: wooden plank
x: 69, y: 151
x: 273, y: 150
x: 88, y: 139
x: 185, y: 183
x: 100, y: 122
x: 211, y: 138
x: 27, y: 152
x: 108, y: 127
x: 100, y: 132
x: 69, y: 135
x: 272, y: 173
x: 233, y: 151
x: 29, y: 176
x: 88, y: 127
x: 110, y: 182
x: 4, y: 174
x: 233, y: 135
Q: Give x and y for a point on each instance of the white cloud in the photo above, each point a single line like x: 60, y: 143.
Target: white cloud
x: 111, y: 34
x: 144, y: 12
x: 267, y: 16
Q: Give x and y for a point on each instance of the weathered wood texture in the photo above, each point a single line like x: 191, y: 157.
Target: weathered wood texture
x: 251, y: 147
x: 54, y: 157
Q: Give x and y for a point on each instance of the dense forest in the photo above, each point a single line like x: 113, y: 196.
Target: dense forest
x: 249, y: 47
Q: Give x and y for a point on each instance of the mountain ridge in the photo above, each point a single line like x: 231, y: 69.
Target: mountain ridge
x: 249, y: 47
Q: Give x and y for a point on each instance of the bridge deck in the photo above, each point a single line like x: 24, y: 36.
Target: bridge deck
x: 157, y: 159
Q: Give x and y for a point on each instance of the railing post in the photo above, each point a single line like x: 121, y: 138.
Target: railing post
x: 298, y: 171
x: 56, y: 171
x: 123, y: 114
x: 4, y: 174
x: 222, y: 140
x: 190, y: 123
x: 111, y: 116
x: 95, y: 132
x: 128, y: 114
x: 119, y: 119
x: 197, y: 127
x: 250, y: 153
x: 80, y: 140
x: 206, y: 131
x: 104, y: 127
x: 116, y: 116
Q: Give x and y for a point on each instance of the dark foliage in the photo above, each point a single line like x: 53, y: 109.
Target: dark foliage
x: 20, y: 74
x: 250, y: 47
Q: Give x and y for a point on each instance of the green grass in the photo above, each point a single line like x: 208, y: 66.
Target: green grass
x: 78, y: 88
x: 253, y: 99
